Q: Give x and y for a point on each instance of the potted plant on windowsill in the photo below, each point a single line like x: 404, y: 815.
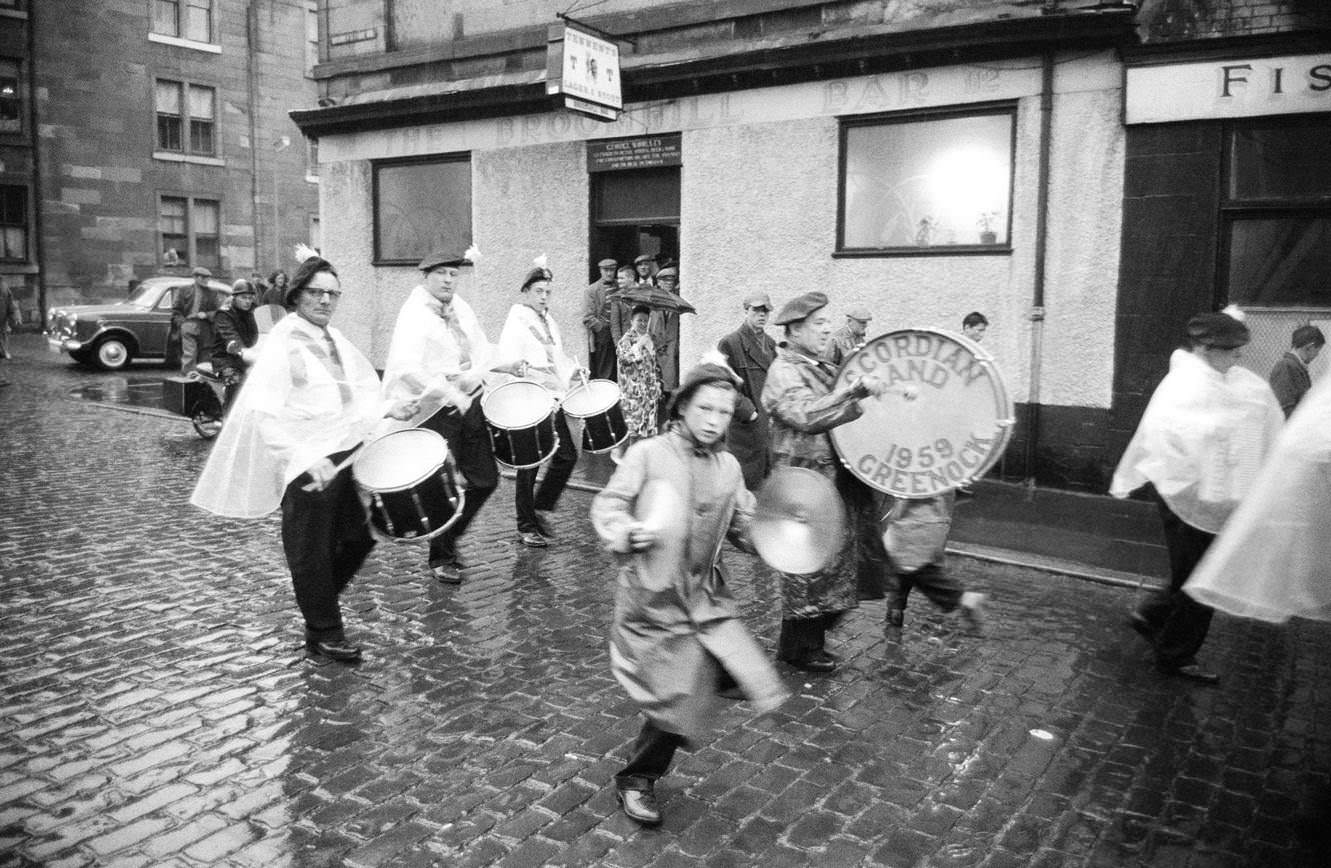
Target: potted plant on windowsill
x: 987, y: 221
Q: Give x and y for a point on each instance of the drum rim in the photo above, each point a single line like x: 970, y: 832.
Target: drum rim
x: 488, y: 396
x: 360, y: 456
x: 587, y: 388
x: 998, y: 388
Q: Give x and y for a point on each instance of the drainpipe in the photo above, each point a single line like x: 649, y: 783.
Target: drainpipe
x: 251, y: 48
x: 1036, y: 314
x: 34, y: 135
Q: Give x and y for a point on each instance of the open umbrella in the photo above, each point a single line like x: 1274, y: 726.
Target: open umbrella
x: 656, y: 298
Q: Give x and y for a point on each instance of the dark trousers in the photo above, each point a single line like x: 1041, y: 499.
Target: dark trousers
x: 326, y: 538
x: 933, y: 581
x: 528, y: 498
x: 649, y: 758
x: 469, y: 444
x: 1178, y: 622
x: 802, y: 637
x: 602, y: 360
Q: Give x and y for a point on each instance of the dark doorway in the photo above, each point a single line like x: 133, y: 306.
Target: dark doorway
x: 634, y: 212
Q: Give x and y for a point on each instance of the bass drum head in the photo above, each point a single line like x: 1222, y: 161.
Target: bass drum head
x: 944, y: 421
x: 595, y: 397
x: 399, y: 460
x: 519, y: 404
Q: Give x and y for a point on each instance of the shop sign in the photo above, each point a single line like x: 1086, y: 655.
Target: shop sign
x: 1294, y: 84
x: 643, y: 152
x: 584, y: 66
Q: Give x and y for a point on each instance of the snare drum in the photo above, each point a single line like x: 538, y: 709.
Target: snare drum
x: 414, y: 495
x: 596, y: 403
x: 521, y: 419
x: 944, y: 422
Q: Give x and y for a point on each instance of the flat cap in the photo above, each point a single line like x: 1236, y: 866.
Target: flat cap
x: 444, y: 256
x: 758, y: 299
x: 646, y: 257
x: 670, y: 271
x: 800, y: 307
x: 1219, y: 330
x: 860, y: 312
x: 607, y: 263
x: 536, y: 275
x: 200, y: 271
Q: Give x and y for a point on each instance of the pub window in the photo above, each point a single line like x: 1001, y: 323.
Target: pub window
x: 1276, y: 214
x: 184, y: 19
x: 181, y: 107
x: 189, y: 231
x: 13, y: 223
x: 420, y: 205
x: 927, y: 182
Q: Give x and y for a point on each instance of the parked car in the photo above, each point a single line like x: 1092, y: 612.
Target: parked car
x: 111, y: 335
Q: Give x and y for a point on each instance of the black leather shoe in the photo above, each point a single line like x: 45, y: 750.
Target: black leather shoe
x: 810, y: 663
x: 532, y: 540
x: 335, y: 649
x: 1192, y: 672
x: 449, y: 573
x: 639, y: 805
x: 543, y: 525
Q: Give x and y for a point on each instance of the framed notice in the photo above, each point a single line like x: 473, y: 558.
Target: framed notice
x: 640, y: 152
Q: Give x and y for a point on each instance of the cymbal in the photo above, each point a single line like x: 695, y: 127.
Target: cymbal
x: 799, y: 522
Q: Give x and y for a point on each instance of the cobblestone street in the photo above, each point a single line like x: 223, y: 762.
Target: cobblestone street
x: 157, y: 707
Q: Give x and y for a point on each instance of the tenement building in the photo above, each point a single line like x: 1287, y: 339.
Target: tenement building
x: 1059, y: 165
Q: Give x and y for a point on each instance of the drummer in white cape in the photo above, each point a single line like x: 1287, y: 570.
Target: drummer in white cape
x: 1272, y: 560
x: 677, y: 638
x: 309, y: 401
x: 531, y: 341
x: 439, y: 354
x: 1198, y: 447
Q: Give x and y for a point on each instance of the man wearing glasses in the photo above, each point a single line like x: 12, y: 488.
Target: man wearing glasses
x: 311, y: 399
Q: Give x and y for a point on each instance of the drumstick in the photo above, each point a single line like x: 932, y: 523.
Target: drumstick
x: 351, y: 456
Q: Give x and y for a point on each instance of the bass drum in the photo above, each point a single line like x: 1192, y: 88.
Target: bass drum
x: 943, y: 423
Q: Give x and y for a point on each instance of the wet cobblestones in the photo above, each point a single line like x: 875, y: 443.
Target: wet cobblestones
x: 156, y: 706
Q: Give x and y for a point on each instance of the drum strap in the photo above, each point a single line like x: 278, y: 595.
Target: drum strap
x: 546, y: 338
x: 450, y: 318
x: 326, y: 352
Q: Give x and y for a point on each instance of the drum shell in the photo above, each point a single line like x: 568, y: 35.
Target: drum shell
x: 597, y: 404
x: 521, y: 440
x: 426, y: 499
x: 950, y: 433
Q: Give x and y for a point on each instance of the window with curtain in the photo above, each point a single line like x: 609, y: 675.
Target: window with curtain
x: 186, y: 118
x: 935, y: 181
x: 184, y: 19
x: 190, y: 231
x: 206, y: 224
x: 1276, y: 214
x: 168, y: 103
x: 173, y: 228
x: 421, y: 205
x: 201, y: 120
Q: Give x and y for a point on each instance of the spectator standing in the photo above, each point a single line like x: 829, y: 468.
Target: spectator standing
x: 192, y: 317
x: 596, y: 317
x: 1289, y: 378
x: 851, y: 336
x: 276, y: 293
x: 639, y: 376
x: 750, y: 351
x: 9, y: 317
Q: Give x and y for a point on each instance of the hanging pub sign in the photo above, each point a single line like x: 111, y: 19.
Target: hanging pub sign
x: 640, y: 152
x: 584, y: 68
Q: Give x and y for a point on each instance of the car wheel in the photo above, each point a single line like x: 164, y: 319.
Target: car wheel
x: 111, y: 354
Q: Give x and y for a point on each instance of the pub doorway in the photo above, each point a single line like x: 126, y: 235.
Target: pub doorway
x: 634, y: 212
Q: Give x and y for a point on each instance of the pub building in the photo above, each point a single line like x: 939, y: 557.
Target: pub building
x: 922, y: 165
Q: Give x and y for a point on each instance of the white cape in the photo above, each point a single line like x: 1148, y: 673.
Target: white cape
x: 1273, y: 559
x: 288, y: 416
x: 424, y: 358
x: 1201, y: 440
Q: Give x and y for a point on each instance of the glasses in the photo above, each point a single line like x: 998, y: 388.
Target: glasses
x: 334, y: 294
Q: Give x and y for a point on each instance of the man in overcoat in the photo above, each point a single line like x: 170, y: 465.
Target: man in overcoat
x: 1289, y: 378
x: 749, y: 351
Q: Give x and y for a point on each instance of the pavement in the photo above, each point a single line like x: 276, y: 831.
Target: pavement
x: 156, y: 706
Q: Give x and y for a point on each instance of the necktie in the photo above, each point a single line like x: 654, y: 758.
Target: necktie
x: 450, y: 318
x: 337, y: 370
